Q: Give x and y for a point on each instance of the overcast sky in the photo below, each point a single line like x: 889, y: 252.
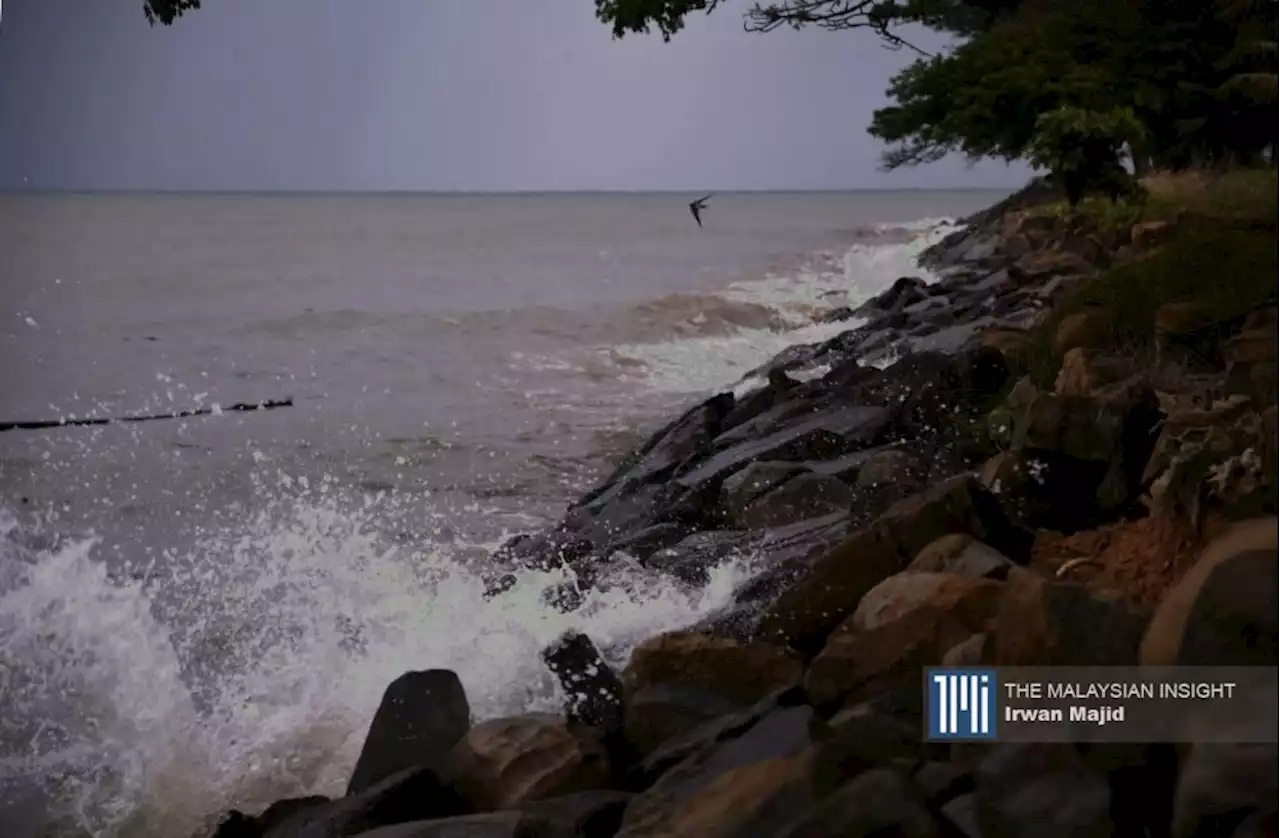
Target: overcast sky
x: 437, y: 95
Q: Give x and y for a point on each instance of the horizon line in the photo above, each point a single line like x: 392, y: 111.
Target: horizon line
x: 47, y: 190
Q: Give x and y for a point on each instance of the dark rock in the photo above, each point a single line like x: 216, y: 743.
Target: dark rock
x: 703, y: 740
x: 845, y: 468
x: 1041, y: 791
x: 780, y: 389
x: 963, y: 554
x: 646, y: 542
x: 588, y: 814
x: 593, y: 691
x: 1044, y: 490
x: 742, y: 673
x: 821, y: 435
x: 421, y: 717
x: 502, y: 763
x: 876, y: 802
x: 239, y: 825
x: 804, y: 615
x: 1041, y: 622
x: 802, y: 498
x: 661, y: 712
x: 892, y: 467
x: 776, y: 738
x: 691, y: 560
x: 1223, y: 612
x: 1223, y: 787
x: 543, y: 551
x: 411, y: 795
x: 487, y: 825
x: 903, y: 292
x: 741, y: 488
x: 665, y: 450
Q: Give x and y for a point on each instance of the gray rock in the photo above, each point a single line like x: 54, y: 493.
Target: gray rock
x: 821, y: 435
x: 1041, y: 791
x: 593, y: 691
x: 801, y: 498
x: 891, y: 466
x: 877, y: 802
x: 754, y: 481
x: 691, y: 559
x: 421, y: 717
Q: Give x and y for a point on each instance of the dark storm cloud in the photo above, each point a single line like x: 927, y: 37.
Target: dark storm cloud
x: 435, y: 95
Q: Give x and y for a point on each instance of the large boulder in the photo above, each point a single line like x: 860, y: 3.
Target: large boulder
x: 803, y: 497
x: 830, y: 590
x: 752, y: 482
x: 723, y: 782
x: 1224, y: 610
x: 502, y: 763
x: 1043, y: 622
x: 961, y: 553
x: 907, y: 622
x: 593, y: 691
x: 1041, y: 791
x: 423, y: 715
x: 739, y: 672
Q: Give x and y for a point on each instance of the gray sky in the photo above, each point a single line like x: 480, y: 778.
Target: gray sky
x: 437, y: 95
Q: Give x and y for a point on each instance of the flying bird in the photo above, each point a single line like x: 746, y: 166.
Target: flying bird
x: 697, y: 207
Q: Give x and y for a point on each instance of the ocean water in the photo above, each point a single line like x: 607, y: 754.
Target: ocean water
x: 201, y: 614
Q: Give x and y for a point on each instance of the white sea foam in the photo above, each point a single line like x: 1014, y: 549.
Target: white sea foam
x: 250, y: 668
x: 826, y: 282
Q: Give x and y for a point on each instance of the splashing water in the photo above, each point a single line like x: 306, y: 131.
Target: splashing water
x: 250, y: 668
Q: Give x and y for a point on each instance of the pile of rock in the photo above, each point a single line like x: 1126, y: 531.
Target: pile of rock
x: 933, y: 509
x: 707, y: 737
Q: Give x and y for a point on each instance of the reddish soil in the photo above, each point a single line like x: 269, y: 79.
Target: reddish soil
x: 1140, y: 559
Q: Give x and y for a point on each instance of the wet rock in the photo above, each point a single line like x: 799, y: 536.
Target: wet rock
x: 593, y: 691
x: 421, y: 717
x: 544, y: 550
x: 904, y: 291
x: 692, y: 558
x: 903, y: 593
x: 1224, y: 788
x: 651, y: 539
x: 881, y: 801
x: 820, y: 435
x: 1115, y: 427
x: 504, y: 762
x: 886, y: 643
x: 488, y: 825
x: 803, y: 497
x: 1223, y: 612
x: 1041, y: 791
x: 1041, y: 622
x: 741, y: 673
x: 709, y: 736
x: 844, y: 468
x: 727, y: 780
x: 411, y: 795
x: 659, y: 713
x: 892, y: 467
x: 687, y: 435
x: 962, y: 554
x: 1044, y: 490
x: 237, y: 824
x: 779, y: 390
x: 588, y: 814
x: 743, y: 487
x: 803, y: 616
x: 1085, y: 372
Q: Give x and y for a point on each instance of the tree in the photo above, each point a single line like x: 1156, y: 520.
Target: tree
x: 167, y: 11
x: 959, y: 17
x: 1082, y: 148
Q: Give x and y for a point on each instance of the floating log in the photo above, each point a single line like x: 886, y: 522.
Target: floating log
x: 238, y: 407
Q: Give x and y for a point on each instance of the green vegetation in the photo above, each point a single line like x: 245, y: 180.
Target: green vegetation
x: 1223, y: 259
x: 1082, y: 149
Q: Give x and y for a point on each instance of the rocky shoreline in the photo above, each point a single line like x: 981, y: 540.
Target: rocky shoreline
x: 931, y: 497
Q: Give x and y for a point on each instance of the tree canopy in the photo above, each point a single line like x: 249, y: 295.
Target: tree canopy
x: 1198, y: 75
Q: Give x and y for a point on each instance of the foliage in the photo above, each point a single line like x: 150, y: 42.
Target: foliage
x: 1082, y: 148
x: 959, y: 17
x: 167, y: 11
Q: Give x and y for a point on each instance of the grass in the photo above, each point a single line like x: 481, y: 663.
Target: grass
x: 1222, y: 257
x: 1238, y: 197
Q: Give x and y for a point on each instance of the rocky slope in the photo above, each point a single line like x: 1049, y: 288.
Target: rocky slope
x: 933, y: 497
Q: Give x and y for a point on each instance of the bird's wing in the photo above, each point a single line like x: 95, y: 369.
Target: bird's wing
x: 704, y: 198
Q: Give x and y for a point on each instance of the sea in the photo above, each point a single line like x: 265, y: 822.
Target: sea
x: 200, y: 614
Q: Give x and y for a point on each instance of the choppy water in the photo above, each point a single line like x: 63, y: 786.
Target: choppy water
x: 203, y: 613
